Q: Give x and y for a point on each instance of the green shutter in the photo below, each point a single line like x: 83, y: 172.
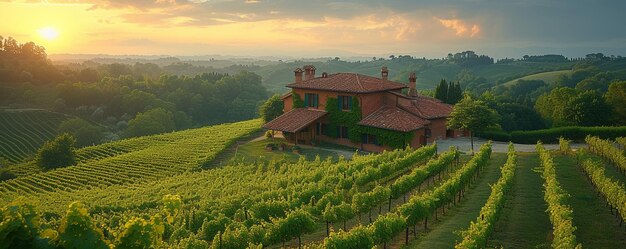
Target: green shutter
x: 339, y: 102
x: 306, y: 99
x: 349, y: 102
x: 316, y: 100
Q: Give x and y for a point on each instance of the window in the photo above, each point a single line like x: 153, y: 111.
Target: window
x: 427, y: 132
x: 318, y: 128
x: 345, y: 102
x: 311, y: 100
x: 369, y: 139
x: 343, y: 131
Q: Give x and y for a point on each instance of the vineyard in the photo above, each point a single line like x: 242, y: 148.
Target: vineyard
x: 24, y: 131
x: 130, y: 161
x: 155, y: 191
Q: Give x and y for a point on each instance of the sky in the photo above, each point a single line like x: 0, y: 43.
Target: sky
x: 319, y: 28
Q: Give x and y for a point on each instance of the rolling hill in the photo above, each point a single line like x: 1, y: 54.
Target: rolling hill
x: 25, y: 130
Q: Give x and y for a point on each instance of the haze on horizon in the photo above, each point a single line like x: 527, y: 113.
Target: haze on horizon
x: 317, y: 28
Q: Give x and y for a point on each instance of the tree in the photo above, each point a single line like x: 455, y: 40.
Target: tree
x: 154, y: 121
x: 472, y: 115
x: 77, y: 229
x: 455, y: 93
x: 587, y: 109
x: 58, y: 152
x: 84, y: 132
x: 272, y: 108
x: 616, y: 97
x: 441, y: 92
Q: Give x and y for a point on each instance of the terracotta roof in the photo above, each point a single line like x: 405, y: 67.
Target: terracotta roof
x: 393, y: 118
x: 348, y: 82
x: 286, y: 95
x: 294, y: 120
x: 426, y: 107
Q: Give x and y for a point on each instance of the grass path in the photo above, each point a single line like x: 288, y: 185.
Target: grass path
x: 596, y: 226
x: 524, y: 222
x: 444, y: 233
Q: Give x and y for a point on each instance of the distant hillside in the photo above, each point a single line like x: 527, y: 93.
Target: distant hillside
x: 547, y: 77
x: 429, y: 72
x: 23, y: 131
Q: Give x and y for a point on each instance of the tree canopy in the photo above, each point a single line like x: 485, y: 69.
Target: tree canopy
x: 271, y: 108
x: 472, y: 115
x: 57, y: 153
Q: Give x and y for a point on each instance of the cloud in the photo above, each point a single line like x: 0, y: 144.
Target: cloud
x: 460, y: 27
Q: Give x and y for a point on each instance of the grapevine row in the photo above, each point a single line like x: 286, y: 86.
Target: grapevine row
x: 478, y: 232
x: 418, y: 208
x: 607, y: 150
x: 613, y: 192
x: 559, y: 212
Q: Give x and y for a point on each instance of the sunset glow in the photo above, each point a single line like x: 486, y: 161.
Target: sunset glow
x: 48, y: 33
x: 324, y: 28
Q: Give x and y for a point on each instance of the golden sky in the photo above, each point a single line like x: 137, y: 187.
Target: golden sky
x: 288, y: 27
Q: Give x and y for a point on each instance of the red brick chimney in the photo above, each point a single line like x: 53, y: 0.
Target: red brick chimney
x: 298, y: 73
x: 412, y: 79
x: 384, y: 73
x: 309, y: 72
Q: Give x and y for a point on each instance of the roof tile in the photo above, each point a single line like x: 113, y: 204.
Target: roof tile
x: 294, y: 120
x: 348, y: 82
x: 393, y: 118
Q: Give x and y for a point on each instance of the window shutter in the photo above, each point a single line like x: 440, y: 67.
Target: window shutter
x: 338, y: 131
x: 316, y: 100
x: 364, y: 138
x: 339, y: 102
x: 349, y: 102
x: 306, y: 99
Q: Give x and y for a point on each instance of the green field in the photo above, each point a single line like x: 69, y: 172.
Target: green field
x: 24, y: 131
x: 547, y: 77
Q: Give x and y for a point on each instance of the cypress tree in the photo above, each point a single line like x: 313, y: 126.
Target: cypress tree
x: 441, y: 92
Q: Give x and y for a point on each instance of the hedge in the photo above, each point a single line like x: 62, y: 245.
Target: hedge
x: 576, y: 133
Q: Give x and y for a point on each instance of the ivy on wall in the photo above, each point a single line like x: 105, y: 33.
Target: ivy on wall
x: 351, y: 119
x: 297, y: 101
x: 394, y: 139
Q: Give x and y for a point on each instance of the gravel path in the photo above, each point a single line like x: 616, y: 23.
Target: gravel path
x: 464, y: 145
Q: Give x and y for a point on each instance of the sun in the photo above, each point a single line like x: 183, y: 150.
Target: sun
x: 48, y: 33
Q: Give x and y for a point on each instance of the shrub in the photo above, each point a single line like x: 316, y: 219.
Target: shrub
x: 576, y: 133
x: 58, y: 152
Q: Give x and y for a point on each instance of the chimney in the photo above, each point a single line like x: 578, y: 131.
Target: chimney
x: 384, y: 73
x: 309, y: 72
x: 298, y: 73
x: 412, y: 79
x: 324, y: 75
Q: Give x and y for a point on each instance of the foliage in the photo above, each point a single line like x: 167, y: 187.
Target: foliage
x: 19, y: 225
x: 472, y: 115
x: 358, y: 237
x: 616, y: 97
x: 297, y: 100
x: 567, y: 106
x: 57, y: 153
x: 613, y: 191
x: 272, y: 108
x: 350, y: 119
x: 84, y: 132
x: 140, y: 233
x: 478, y: 232
x: 553, y: 134
x: 77, y: 229
x: 449, y: 93
x: 154, y: 121
x: 556, y: 198
x: 391, y: 138
x: 607, y: 149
